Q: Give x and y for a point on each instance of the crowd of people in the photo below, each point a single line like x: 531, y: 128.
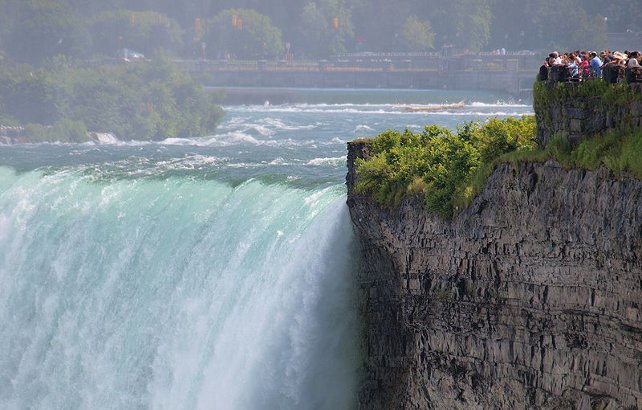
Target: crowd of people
x: 589, y: 64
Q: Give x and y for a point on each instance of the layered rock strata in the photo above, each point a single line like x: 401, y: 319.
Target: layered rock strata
x: 530, y: 298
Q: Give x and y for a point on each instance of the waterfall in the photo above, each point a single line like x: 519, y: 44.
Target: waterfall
x: 174, y: 293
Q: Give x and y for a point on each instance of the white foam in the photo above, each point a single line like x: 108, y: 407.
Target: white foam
x: 318, y: 162
x: 498, y: 104
x: 105, y: 138
x: 362, y: 127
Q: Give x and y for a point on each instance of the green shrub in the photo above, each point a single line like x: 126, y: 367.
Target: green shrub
x: 62, y: 131
x: 498, y: 137
x: 616, y: 151
x: 448, y: 168
x: 560, y: 148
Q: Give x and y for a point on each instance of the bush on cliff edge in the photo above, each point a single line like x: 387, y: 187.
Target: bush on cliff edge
x: 448, y: 168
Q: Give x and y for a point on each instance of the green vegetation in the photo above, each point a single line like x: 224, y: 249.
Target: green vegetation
x: 34, y: 31
x: 619, y: 153
x: 446, y: 167
x: 324, y: 28
x: 63, y: 131
x: 140, y: 101
x: 242, y: 33
x: 418, y: 35
x: 451, y: 169
x: 143, y: 31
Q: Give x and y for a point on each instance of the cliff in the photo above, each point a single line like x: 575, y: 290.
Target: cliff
x: 530, y: 298
x: 577, y: 110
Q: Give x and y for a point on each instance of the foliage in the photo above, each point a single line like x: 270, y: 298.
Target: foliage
x: 142, y: 31
x: 243, y: 33
x: 497, y: 137
x: 64, y: 130
x: 443, y: 294
x: 618, y: 152
x: 324, y: 28
x: 43, y: 29
x: 546, y: 24
x: 473, y: 23
x: 134, y: 101
x: 437, y: 162
x: 418, y: 34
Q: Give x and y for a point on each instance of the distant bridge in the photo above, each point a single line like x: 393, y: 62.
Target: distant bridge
x: 510, y: 73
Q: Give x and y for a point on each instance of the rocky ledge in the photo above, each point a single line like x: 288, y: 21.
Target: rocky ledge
x: 530, y: 298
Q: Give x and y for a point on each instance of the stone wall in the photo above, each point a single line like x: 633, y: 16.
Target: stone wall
x: 531, y: 298
x: 567, y: 109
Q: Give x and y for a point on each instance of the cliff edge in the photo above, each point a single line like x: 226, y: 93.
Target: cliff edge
x: 530, y: 298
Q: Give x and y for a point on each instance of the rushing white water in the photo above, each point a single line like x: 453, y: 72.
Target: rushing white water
x: 174, y: 293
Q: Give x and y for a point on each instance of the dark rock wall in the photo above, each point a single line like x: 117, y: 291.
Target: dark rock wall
x: 531, y: 298
x: 579, y: 117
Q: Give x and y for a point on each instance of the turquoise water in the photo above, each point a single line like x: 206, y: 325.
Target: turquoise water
x: 213, y: 273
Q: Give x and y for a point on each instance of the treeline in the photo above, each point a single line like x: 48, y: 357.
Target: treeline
x: 142, y: 101
x: 35, y: 30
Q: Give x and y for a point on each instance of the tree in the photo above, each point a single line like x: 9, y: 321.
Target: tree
x: 43, y: 29
x: 622, y: 15
x: 378, y: 22
x: 472, y: 20
x: 325, y: 28
x: 417, y: 35
x: 243, y: 33
x: 312, y: 27
x: 140, y: 31
x: 29, y: 95
x: 556, y: 22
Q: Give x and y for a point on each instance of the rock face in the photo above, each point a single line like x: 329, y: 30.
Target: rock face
x: 581, y: 116
x: 530, y: 298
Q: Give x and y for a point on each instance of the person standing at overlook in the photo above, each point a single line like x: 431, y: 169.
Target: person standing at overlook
x: 573, y: 69
x: 543, y: 70
x: 555, y: 56
x: 585, y: 66
x: 596, y: 65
